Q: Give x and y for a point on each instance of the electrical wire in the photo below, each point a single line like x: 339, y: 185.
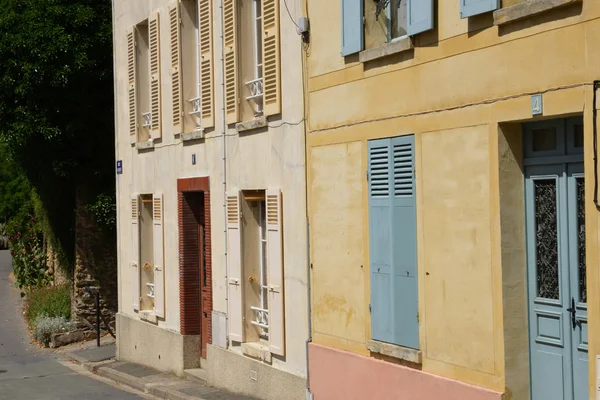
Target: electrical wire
x: 287, y: 123
x: 440, y: 110
x: 290, y: 14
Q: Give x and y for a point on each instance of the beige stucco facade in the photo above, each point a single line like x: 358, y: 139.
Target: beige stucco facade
x: 463, y: 90
x: 270, y: 157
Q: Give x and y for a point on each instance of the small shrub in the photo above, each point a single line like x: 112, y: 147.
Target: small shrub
x: 28, y: 255
x: 45, y: 326
x: 52, y: 302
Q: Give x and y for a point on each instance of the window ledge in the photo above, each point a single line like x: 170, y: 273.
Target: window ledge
x: 195, y: 135
x: 395, y: 351
x: 527, y: 9
x: 257, y: 350
x: 387, y: 49
x: 256, y: 123
x: 145, y: 145
x: 148, y: 316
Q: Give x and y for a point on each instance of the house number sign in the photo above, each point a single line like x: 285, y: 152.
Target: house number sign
x: 537, y: 106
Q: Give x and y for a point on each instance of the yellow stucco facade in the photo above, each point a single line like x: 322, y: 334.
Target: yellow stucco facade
x: 463, y: 91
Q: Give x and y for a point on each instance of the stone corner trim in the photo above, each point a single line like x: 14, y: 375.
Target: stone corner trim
x: 391, y: 350
x: 527, y: 9
x: 256, y: 123
x: 386, y: 50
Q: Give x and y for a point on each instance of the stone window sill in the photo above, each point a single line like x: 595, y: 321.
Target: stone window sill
x: 387, y: 49
x: 256, y: 123
x: 392, y: 350
x: 192, y: 135
x: 527, y: 9
x: 145, y: 145
x: 258, y: 351
x: 148, y: 316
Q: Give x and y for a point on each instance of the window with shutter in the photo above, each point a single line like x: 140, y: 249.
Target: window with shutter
x: 275, y: 273
x: 143, y: 80
x: 234, y: 270
x: 159, y: 260
x: 231, y: 67
x: 131, y: 88
x: 392, y: 239
x: 155, y: 98
x: 387, y: 21
x: 469, y: 8
x: 135, y: 250
x: 206, y: 63
x: 271, y: 57
x: 175, y: 71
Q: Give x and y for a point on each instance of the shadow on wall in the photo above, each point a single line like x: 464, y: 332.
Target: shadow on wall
x: 95, y: 266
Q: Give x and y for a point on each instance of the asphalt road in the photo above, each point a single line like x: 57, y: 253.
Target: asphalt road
x: 29, y: 373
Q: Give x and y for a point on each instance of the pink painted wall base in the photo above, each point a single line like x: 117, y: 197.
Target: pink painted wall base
x: 336, y: 374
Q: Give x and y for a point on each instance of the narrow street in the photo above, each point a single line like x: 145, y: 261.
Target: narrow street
x: 27, y: 372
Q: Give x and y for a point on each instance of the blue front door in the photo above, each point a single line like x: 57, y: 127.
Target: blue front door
x: 555, y: 224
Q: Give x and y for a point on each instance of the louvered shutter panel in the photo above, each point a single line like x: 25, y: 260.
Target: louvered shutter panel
x: 231, y: 68
x: 234, y: 271
x: 206, y: 64
x: 380, y: 231
x: 352, y: 26
x: 420, y: 16
x: 175, y: 71
x: 159, y: 259
x: 393, y: 245
x: 468, y: 8
x: 131, y: 86
x: 405, y: 304
x: 135, y: 250
x: 155, y: 103
x: 275, y: 273
x: 271, y: 57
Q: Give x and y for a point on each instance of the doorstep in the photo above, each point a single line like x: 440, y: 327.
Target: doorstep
x: 162, y: 385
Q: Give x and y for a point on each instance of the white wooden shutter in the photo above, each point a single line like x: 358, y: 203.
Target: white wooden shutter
x: 159, y: 259
x: 234, y: 272
x: 135, y: 250
x: 271, y: 57
x: 275, y: 273
x: 206, y: 63
x: 175, y: 72
x: 155, y: 103
x: 131, y: 88
x: 231, y: 69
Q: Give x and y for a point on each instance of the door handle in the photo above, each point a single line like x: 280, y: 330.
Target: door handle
x: 274, y: 288
x: 574, y: 321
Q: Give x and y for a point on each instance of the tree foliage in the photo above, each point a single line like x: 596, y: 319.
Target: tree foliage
x: 56, y: 102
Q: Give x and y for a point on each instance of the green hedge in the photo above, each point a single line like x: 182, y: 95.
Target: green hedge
x: 52, y: 302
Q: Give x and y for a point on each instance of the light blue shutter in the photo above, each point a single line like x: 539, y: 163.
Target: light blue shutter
x: 352, y: 26
x: 468, y: 8
x: 392, y: 238
x: 404, y: 244
x: 380, y: 239
x: 420, y: 16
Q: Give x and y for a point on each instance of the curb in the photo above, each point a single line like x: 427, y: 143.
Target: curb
x: 122, y: 378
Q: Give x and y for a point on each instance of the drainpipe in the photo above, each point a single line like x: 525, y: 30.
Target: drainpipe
x: 595, y: 130
x: 224, y: 134
x: 305, y: 126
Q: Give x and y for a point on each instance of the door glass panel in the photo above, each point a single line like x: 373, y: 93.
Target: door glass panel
x: 544, y: 139
x: 581, y: 238
x: 546, y: 241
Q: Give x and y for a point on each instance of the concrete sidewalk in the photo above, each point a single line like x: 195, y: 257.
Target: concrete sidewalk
x: 100, y: 361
